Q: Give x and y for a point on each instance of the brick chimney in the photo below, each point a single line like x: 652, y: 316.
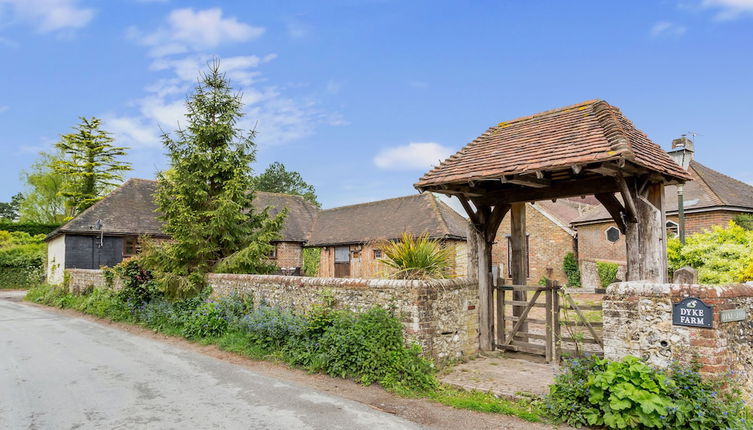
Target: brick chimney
x: 683, y: 151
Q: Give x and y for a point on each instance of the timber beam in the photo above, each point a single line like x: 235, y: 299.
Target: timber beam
x: 615, y: 209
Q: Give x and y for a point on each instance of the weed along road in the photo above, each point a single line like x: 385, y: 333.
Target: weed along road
x: 62, y: 372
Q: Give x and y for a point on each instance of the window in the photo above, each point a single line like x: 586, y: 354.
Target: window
x: 273, y: 252
x: 509, y: 256
x: 342, y: 254
x: 377, y: 254
x: 130, y: 246
x: 613, y: 234
x: 673, y: 229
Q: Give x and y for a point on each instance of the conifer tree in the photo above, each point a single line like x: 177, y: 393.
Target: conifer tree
x: 206, y: 197
x: 92, y: 166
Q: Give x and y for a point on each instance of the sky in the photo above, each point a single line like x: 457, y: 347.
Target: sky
x: 363, y: 96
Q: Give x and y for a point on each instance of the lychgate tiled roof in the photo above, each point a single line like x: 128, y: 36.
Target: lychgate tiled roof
x: 588, y: 132
x: 387, y: 220
x: 709, y: 189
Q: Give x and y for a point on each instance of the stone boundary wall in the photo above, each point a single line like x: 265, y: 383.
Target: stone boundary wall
x: 589, y: 273
x: 79, y: 280
x: 440, y: 315
x: 638, y: 322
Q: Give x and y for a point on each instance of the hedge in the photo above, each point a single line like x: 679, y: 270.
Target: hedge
x: 33, y: 228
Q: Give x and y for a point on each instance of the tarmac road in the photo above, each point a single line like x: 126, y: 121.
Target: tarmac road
x: 62, y: 372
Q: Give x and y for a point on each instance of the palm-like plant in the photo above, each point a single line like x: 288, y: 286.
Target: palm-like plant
x: 417, y: 257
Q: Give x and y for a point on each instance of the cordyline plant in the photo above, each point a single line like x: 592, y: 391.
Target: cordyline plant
x: 206, y: 197
x: 417, y: 257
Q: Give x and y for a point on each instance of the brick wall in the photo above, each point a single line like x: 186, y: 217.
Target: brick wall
x: 638, y: 322
x: 439, y: 315
x: 548, y: 245
x: 289, y: 255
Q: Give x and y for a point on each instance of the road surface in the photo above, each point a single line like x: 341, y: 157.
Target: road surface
x: 62, y: 372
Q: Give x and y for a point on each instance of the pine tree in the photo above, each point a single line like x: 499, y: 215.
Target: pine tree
x: 206, y: 197
x: 92, y: 166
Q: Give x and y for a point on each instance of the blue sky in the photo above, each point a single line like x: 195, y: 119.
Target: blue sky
x: 364, y: 96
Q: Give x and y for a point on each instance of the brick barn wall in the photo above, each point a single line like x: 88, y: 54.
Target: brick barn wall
x: 289, y: 255
x: 593, y: 245
x: 548, y: 245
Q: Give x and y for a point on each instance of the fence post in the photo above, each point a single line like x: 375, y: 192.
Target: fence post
x: 500, y: 326
x: 548, y: 345
x: 556, y: 322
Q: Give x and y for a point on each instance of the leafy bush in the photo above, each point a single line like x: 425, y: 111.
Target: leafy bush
x: 311, y: 258
x: 745, y: 221
x: 570, y: 266
x: 205, y: 321
x: 607, y: 272
x: 272, y: 328
x: 417, y: 258
x: 22, y: 259
x: 721, y: 255
x: 630, y: 394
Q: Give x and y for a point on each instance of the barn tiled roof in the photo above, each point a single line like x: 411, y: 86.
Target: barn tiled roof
x: 709, y: 189
x: 387, y: 220
x: 588, y: 132
x: 130, y: 210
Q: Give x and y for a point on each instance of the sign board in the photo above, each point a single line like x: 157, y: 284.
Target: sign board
x: 692, y: 312
x: 733, y: 315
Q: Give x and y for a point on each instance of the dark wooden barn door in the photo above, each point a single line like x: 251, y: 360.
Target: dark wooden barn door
x: 342, y: 262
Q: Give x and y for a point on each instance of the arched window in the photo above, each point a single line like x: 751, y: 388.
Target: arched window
x: 673, y: 229
x: 613, y: 234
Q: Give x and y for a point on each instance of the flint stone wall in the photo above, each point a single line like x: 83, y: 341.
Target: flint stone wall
x: 440, y: 315
x: 638, y: 322
x: 81, y: 280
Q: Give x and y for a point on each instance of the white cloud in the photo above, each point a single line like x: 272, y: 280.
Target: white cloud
x: 49, y: 15
x: 413, y: 156
x: 236, y: 68
x: 8, y: 43
x: 188, y: 30
x: 666, y: 28
x: 3, y: 108
x: 729, y: 9
x: 297, y: 29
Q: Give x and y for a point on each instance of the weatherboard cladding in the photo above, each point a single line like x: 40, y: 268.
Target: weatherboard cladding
x: 588, y: 132
x: 130, y: 210
x: 708, y: 190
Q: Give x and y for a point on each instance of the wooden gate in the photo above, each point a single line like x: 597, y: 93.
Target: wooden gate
x: 578, y: 331
x: 521, y: 325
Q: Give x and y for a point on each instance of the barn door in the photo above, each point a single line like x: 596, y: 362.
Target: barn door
x: 342, y: 262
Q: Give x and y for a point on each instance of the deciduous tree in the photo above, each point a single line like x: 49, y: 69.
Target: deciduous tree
x: 277, y: 179
x: 43, y: 202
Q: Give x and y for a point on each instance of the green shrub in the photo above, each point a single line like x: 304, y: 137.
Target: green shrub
x: 206, y: 321
x: 570, y: 266
x: 272, y: 328
x: 417, y: 258
x: 631, y: 394
x: 745, y: 221
x: 722, y: 255
x: 31, y: 228
x: 22, y: 258
x: 607, y: 272
x: 311, y: 258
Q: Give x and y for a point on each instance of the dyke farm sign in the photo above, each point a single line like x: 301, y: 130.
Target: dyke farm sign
x: 692, y: 312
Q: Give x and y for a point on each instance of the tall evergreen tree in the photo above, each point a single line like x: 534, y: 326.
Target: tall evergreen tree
x: 92, y: 165
x: 9, y: 210
x: 206, y: 197
x: 277, y: 179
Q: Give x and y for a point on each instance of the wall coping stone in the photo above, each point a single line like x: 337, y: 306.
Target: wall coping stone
x: 347, y: 283
x: 650, y: 289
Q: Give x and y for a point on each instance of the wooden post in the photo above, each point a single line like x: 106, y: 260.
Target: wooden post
x: 549, y: 320
x: 646, y: 239
x: 556, y: 323
x: 485, y: 326
x: 519, y: 255
x: 500, y: 326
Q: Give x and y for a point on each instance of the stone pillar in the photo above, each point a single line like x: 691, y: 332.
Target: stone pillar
x: 638, y: 322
